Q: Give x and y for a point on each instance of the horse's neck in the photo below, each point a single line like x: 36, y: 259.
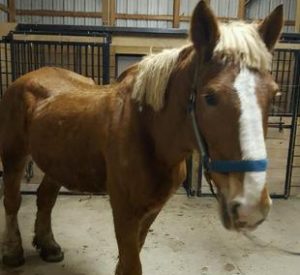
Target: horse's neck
x: 172, y: 127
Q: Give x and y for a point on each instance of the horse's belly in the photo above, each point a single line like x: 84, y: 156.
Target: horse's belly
x: 73, y: 172
x: 68, y: 147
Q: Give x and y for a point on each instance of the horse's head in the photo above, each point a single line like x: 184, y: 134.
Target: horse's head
x: 234, y: 90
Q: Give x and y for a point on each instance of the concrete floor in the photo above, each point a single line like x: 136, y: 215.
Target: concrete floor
x: 187, y: 238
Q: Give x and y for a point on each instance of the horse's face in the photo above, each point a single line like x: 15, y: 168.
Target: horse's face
x: 233, y: 111
x: 232, y: 104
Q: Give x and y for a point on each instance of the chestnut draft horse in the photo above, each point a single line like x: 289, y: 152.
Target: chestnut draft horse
x: 131, y: 138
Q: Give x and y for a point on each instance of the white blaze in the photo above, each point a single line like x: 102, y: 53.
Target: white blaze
x: 251, y: 134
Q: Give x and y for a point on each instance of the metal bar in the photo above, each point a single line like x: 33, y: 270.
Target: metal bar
x: 1, y: 73
x: 62, y: 55
x: 29, y: 57
x: 36, y: 55
x: 55, y: 54
x: 86, y: 60
x: 49, y: 55
x: 189, y: 178
x: 291, y: 149
x: 74, y: 58
x: 105, y: 63
x: 22, y: 58
x: 80, y: 59
x: 99, y: 64
x: 278, y: 99
x: 68, y: 56
x: 288, y: 92
x: 199, y: 183
x: 93, y: 62
x: 6, y: 61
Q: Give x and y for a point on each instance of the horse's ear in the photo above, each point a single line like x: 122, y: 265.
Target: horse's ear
x: 204, y: 30
x: 271, y: 27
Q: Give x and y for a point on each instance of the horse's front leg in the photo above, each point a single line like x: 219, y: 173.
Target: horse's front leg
x: 127, y: 228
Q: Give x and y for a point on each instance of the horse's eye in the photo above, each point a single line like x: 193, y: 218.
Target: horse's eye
x: 211, y: 99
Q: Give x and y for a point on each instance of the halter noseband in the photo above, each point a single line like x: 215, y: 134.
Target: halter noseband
x: 220, y: 166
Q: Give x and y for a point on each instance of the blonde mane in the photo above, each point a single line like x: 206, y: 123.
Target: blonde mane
x: 239, y: 43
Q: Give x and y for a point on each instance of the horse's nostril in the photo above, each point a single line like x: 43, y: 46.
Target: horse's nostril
x: 234, y: 209
x: 241, y: 224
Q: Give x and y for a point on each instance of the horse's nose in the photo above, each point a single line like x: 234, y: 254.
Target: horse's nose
x: 248, y: 216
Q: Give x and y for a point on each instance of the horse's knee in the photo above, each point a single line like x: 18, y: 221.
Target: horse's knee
x: 12, y: 203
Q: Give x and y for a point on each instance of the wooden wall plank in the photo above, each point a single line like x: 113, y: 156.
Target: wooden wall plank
x: 297, y: 23
x: 11, y: 11
x: 176, y: 16
x: 241, y: 9
x: 59, y: 13
x: 112, y: 20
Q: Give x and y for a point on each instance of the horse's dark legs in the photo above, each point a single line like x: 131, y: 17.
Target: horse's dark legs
x: 44, y: 240
x: 13, y: 167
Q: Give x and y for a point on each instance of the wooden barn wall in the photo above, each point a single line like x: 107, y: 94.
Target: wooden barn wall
x: 3, y: 15
x: 254, y: 9
x: 58, y: 5
x: 259, y: 9
x: 149, y: 7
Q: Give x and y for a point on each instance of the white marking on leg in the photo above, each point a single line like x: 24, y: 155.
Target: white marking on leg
x: 251, y: 134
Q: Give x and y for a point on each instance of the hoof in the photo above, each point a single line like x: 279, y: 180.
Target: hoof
x: 53, y: 255
x: 13, y: 261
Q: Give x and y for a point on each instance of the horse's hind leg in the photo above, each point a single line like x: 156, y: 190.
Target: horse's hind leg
x: 13, y: 167
x: 44, y: 240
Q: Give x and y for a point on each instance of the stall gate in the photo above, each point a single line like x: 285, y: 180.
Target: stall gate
x: 22, y: 53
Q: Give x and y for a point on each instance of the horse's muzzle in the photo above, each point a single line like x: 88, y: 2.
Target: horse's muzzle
x: 239, y: 217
